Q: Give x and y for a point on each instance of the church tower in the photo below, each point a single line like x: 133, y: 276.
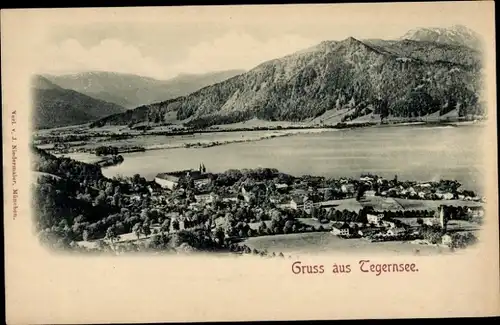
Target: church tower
x: 443, y: 216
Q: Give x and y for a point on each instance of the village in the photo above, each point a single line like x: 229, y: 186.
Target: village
x: 239, y: 204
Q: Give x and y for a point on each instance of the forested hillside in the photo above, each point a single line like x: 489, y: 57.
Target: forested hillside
x: 55, y: 106
x: 398, y: 78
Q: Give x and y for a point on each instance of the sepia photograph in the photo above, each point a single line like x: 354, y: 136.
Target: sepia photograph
x: 263, y: 134
x: 292, y: 152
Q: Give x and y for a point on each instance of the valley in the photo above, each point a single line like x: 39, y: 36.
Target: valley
x: 300, y: 154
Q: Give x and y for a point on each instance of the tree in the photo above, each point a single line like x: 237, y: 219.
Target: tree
x: 165, y: 226
x: 100, y: 200
x: 175, y: 224
x: 146, y: 229
x: 137, y: 229
x: 117, y: 197
x: 361, y: 192
x: 136, y: 179
x: 109, y: 189
x: 263, y: 228
x: 287, y: 228
x: 111, y: 234
x: 219, y: 235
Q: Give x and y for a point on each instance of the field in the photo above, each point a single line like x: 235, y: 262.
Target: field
x: 452, y: 226
x: 394, y: 204
x: 326, y: 243
x: 306, y: 221
x: 408, y: 204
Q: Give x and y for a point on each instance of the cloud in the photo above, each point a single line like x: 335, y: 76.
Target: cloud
x: 233, y: 50
x: 240, y: 51
x: 109, y: 55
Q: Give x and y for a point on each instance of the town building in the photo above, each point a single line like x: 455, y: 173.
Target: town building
x: 475, y: 211
x: 255, y: 189
x: 299, y: 197
x: 172, y: 179
x: 370, y: 193
x: 167, y: 181
x: 347, y: 188
x: 341, y: 229
x: 396, y: 231
x: 308, y: 205
x: 231, y: 198
x: 387, y: 222
x: 365, y: 232
x: 281, y: 187
x: 367, y: 179
x: 374, y: 218
x: 205, y: 198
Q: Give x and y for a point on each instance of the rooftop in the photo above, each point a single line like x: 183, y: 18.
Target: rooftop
x: 195, y: 174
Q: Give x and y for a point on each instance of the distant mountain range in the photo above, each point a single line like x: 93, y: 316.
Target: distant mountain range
x: 130, y: 90
x: 402, y: 78
x: 55, y: 106
x: 456, y: 35
x: 428, y: 70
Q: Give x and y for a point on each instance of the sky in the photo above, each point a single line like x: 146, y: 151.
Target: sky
x: 164, y: 46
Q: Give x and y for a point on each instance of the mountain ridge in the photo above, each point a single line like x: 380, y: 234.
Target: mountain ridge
x: 455, y: 35
x: 130, y: 90
x: 55, y: 106
x: 381, y: 77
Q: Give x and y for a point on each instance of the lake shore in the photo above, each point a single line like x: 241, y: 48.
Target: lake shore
x: 222, y: 136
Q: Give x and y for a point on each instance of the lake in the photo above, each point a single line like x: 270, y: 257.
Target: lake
x: 421, y: 153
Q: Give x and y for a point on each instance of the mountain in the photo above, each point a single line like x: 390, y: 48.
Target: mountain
x: 456, y: 35
x: 399, y: 78
x: 130, y: 90
x: 55, y: 106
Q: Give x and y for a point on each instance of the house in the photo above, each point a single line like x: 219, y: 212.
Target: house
x: 135, y: 198
x: 448, y: 196
x: 171, y: 180
x: 365, y: 232
x: 341, y: 229
x: 231, y: 198
x: 430, y: 221
x: 370, y: 193
x: 475, y: 211
x: 374, y: 218
x: 249, y: 190
x: 396, y: 231
x: 366, y: 179
x: 281, y: 187
x: 387, y: 222
x: 347, y: 188
x: 167, y: 181
x: 445, y: 196
x: 205, y: 198
x: 308, y: 205
x: 293, y: 204
x: 299, y: 197
x: 275, y: 199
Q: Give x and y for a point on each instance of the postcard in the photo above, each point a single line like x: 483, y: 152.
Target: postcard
x: 245, y: 163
